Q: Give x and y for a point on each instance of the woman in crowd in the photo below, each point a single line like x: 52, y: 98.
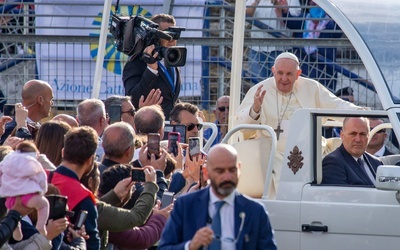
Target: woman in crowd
x: 50, y: 140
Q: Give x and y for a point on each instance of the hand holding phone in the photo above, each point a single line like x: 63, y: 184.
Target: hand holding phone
x: 167, y: 198
x: 57, y: 206
x: 80, y: 219
x: 180, y: 128
x: 138, y: 175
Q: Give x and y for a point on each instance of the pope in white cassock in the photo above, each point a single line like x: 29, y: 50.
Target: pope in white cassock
x: 273, y: 101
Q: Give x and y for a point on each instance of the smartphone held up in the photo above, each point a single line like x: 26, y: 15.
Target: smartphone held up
x: 138, y: 175
x: 173, y: 138
x: 167, y: 199
x: 57, y: 206
x: 194, y: 147
x: 9, y: 110
x: 153, y: 144
x: 80, y: 219
x: 115, y: 113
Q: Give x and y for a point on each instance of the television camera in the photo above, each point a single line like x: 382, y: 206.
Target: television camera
x: 132, y: 34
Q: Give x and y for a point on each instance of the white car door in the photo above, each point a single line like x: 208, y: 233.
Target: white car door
x: 337, y: 217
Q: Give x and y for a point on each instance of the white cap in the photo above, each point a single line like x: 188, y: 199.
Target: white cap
x: 287, y: 55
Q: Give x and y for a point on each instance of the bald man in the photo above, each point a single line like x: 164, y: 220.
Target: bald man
x: 37, y: 98
x: 69, y: 119
x: 350, y: 164
x: 244, y: 223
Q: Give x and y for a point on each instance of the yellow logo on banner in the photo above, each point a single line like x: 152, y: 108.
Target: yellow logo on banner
x: 114, y: 60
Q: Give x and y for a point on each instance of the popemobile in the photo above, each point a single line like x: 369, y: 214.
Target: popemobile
x: 304, y: 213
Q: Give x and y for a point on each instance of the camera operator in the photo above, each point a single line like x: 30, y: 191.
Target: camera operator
x: 140, y: 78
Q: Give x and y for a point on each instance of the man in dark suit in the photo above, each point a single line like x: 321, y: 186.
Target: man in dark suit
x: 350, y: 164
x: 376, y: 145
x: 140, y: 78
x: 243, y: 223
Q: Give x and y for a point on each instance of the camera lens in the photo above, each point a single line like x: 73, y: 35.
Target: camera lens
x: 173, y: 55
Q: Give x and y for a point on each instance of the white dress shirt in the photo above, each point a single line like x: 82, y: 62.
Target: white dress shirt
x: 380, y: 152
x: 227, y: 212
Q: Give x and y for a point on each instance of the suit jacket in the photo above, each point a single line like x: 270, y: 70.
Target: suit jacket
x: 190, y: 213
x: 387, y: 152
x: 139, y: 80
x: 339, y: 167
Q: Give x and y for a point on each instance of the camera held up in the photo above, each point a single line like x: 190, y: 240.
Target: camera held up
x: 133, y: 34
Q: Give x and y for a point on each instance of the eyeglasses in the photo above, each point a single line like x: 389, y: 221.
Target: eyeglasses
x: 130, y: 112
x: 223, y: 108
x: 191, y: 126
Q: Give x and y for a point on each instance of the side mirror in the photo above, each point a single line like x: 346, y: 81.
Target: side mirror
x: 388, y: 178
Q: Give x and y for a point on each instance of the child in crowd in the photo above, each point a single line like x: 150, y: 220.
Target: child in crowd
x: 21, y: 174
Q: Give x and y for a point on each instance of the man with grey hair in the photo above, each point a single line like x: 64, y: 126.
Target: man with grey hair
x: 118, y: 145
x: 92, y: 113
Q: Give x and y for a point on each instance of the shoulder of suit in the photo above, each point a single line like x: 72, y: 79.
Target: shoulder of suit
x: 372, y: 156
x: 193, y: 195
x: 248, y: 200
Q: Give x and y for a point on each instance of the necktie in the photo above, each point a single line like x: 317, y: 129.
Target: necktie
x: 171, y: 74
x: 216, y: 227
x: 366, y: 171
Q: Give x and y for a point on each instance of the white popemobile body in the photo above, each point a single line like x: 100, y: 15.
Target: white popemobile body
x: 306, y: 214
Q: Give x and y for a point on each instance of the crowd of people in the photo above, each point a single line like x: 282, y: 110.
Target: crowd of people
x: 91, y: 162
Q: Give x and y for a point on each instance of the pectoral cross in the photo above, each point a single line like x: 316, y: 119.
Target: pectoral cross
x: 278, y: 131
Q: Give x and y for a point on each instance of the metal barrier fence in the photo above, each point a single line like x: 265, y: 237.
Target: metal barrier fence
x: 38, y: 37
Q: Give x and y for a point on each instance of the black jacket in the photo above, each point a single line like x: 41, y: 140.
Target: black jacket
x: 139, y: 80
x: 7, y: 225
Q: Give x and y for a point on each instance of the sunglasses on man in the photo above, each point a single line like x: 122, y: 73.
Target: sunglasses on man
x: 223, y: 108
x: 191, y: 126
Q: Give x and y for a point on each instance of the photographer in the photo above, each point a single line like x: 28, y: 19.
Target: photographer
x: 140, y: 77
